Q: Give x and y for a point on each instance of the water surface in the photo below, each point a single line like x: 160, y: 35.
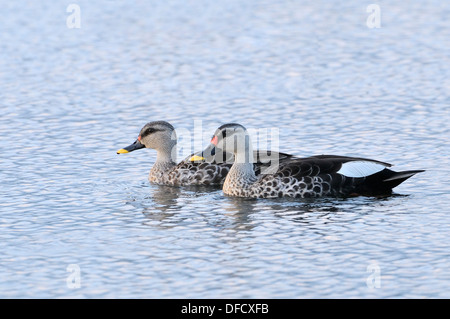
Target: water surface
x: 70, y: 98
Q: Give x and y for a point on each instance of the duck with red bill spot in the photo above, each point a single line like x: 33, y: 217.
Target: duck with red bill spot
x: 315, y: 176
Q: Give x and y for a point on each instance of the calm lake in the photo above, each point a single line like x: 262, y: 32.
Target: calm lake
x: 79, y: 221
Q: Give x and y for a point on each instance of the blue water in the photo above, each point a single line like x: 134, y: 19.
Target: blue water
x: 69, y: 98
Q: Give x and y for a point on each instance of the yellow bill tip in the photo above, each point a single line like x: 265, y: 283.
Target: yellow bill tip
x: 122, y: 151
x: 196, y: 158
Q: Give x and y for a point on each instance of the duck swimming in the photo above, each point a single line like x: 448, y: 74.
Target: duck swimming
x: 316, y: 176
x: 198, y: 168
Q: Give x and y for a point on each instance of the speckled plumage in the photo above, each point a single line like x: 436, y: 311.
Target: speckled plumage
x: 302, y: 178
x: 208, y: 171
x: 189, y: 173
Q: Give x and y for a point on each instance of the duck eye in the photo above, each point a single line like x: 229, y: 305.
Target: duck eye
x: 150, y: 130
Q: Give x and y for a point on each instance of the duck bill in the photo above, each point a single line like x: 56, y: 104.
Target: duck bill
x: 207, y: 153
x: 130, y: 148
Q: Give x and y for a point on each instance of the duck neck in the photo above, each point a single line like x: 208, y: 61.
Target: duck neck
x: 164, y: 157
x: 241, y: 174
x: 244, y: 156
x: 164, y: 161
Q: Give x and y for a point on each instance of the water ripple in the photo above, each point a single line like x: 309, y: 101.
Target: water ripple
x: 72, y: 97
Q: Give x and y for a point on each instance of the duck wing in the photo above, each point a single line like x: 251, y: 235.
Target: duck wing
x: 340, y: 175
x: 267, y: 162
x: 330, y: 164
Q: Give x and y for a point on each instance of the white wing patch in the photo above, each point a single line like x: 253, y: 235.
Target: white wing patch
x: 360, y: 168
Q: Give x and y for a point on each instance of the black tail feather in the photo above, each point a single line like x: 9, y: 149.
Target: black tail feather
x: 399, y: 177
x: 383, y: 182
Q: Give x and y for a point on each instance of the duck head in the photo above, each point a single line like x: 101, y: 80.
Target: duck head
x: 158, y: 135
x: 229, y: 138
